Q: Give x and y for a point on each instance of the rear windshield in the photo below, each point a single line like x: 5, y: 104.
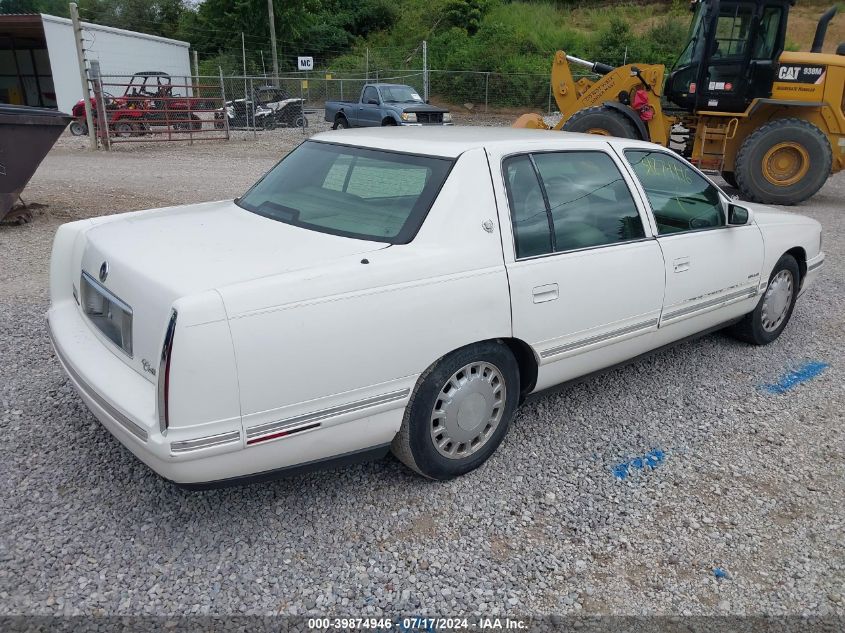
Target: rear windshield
x: 362, y: 193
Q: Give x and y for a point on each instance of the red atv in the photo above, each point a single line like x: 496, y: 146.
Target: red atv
x: 147, y: 100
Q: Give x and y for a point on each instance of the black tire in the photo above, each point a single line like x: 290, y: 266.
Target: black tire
x: 414, y: 444
x: 78, y: 128
x: 388, y: 123
x: 751, y: 329
x: 610, y: 121
x: 730, y: 178
x: 814, y: 150
x: 301, y: 121
x: 340, y: 123
x: 196, y: 123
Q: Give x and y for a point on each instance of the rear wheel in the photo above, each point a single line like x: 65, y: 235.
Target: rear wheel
x: 340, y: 123
x: 601, y: 120
x: 769, y: 318
x: 459, y: 412
x: 783, y: 162
x: 124, y: 129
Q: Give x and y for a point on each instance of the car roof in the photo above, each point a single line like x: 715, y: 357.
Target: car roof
x: 452, y: 141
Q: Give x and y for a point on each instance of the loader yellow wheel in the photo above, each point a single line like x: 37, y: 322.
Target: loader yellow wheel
x: 786, y: 163
x: 601, y: 120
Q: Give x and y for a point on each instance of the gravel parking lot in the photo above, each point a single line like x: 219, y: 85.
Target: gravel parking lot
x: 742, y: 510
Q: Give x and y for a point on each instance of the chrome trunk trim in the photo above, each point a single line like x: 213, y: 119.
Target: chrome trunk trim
x: 186, y: 446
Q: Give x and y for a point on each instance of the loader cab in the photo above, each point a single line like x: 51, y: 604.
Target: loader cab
x: 731, y: 55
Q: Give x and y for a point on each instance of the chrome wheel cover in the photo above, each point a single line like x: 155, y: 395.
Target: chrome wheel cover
x: 468, y: 410
x: 777, y: 300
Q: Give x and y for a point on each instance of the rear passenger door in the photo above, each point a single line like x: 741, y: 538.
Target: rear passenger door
x: 585, y: 272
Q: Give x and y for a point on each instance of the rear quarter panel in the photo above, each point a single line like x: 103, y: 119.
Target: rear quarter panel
x: 317, y: 338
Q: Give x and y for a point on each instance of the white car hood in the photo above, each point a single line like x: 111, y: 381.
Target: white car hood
x: 767, y: 216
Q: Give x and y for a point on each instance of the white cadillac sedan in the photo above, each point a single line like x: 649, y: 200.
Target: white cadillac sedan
x: 404, y: 289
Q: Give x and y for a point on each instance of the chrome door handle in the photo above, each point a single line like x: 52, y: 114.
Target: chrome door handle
x: 549, y: 292
x: 681, y: 264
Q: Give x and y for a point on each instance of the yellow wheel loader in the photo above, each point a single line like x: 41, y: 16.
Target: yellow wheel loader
x: 772, y: 123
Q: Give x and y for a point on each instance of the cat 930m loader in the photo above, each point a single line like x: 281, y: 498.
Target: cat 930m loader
x: 772, y: 123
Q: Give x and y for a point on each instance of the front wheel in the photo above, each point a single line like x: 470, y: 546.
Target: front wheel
x: 459, y: 412
x: 601, y: 120
x: 78, y: 128
x: 769, y: 318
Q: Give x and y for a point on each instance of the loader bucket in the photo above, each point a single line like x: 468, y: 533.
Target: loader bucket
x: 531, y: 121
x: 26, y: 135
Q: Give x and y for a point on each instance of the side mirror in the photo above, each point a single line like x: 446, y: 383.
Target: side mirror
x: 738, y: 216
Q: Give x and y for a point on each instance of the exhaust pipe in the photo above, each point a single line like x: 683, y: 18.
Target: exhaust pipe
x: 821, y: 30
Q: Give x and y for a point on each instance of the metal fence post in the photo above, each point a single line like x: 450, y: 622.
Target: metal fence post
x: 225, y: 109
x: 254, y: 105
x: 549, y: 108
x: 301, y: 107
x: 486, y: 90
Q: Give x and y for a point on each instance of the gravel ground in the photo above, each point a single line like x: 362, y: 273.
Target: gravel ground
x: 744, y: 481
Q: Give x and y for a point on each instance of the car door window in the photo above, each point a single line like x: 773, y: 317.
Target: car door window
x: 529, y: 216
x: 562, y: 201
x: 681, y: 199
x: 589, y: 201
x: 370, y: 93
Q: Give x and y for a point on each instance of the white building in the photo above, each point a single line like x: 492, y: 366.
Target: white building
x: 38, y: 62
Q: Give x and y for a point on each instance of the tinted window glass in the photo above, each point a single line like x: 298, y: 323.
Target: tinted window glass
x: 529, y: 216
x: 363, y: 193
x: 370, y: 93
x: 680, y: 198
x: 590, y: 203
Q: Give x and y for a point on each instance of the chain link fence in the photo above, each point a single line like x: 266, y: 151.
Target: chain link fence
x: 158, y: 107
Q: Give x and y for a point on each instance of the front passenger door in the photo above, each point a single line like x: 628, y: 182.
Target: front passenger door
x: 712, y: 269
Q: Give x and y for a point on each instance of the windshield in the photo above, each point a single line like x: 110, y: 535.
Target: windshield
x: 400, y: 94
x: 362, y: 193
x: 692, y: 51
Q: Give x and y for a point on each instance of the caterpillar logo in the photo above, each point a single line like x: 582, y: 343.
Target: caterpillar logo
x: 801, y: 74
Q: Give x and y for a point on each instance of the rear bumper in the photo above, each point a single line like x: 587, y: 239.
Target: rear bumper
x: 206, y: 455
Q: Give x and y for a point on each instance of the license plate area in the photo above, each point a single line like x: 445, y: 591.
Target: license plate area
x: 109, y: 314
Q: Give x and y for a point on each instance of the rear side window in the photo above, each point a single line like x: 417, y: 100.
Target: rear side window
x: 562, y: 201
x: 351, y: 191
x: 681, y: 199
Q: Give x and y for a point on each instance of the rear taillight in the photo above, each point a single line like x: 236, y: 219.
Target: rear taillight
x: 164, y: 375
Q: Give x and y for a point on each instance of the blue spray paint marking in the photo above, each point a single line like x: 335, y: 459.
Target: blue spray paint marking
x: 650, y: 460
x: 720, y: 573
x: 806, y: 372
